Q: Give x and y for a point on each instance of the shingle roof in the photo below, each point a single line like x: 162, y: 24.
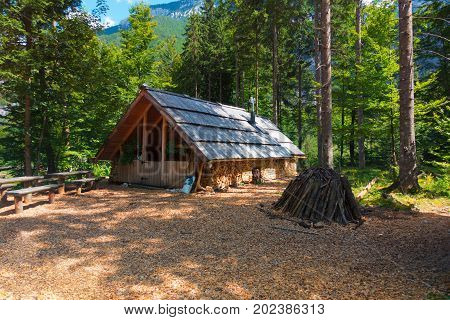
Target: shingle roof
x: 224, y: 132
x: 218, y: 131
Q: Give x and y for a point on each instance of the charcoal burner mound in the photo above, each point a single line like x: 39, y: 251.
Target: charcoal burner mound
x: 320, y: 194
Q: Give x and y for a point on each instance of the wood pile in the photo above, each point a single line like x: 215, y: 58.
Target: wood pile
x: 320, y: 194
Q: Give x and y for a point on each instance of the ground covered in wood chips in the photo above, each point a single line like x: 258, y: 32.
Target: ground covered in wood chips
x: 124, y: 243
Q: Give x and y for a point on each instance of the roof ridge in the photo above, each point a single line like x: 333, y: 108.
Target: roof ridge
x: 146, y: 87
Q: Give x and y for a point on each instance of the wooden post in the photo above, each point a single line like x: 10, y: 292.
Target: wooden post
x: 3, y: 195
x: 18, y: 204
x: 198, y: 177
x: 163, y: 149
x: 28, y: 197
x: 61, y: 185
x: 144, y: 137
x: 51, y: 196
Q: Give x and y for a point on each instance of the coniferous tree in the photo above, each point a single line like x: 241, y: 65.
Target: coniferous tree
x: 407, y: 161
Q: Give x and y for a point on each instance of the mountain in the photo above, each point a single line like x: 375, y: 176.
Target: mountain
x: 177, y: 9
x: 166, y: 27
x: 171, y: 18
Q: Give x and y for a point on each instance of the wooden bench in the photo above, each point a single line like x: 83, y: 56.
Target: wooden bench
x: 21, y: 193
x: 3, y: 189
x: 82, y: 182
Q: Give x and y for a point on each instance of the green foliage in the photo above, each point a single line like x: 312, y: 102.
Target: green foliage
x: 434, y: 182
x: 80, y: 86
x: 166, y: 27
x: 101, y: 169
x: 128, y: 152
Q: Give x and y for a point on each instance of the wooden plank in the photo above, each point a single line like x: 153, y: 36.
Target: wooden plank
x: 20, y: 179
x: 144, y: 137
x: 22, y: 192
x: 68, y: 173
x: 198, y: 177
x: 18, y: 204
x: 163, y: 147
x: 51, y: 196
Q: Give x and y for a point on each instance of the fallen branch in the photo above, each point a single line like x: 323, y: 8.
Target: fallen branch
x: 295, y: 230
x: 366, y: 189
x: 271, y: 214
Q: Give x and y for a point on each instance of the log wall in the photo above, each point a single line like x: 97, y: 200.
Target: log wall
x: 152, y: 173
x: 221, y: 175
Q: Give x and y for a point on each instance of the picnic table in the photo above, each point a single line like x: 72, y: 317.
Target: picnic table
x: 61, y: 176
x: 27, y: 181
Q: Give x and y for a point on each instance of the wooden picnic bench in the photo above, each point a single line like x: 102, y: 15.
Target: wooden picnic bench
x: 19, y: 195
x: 61, y: 176
x: 3, y: 189
x: 27, y: 181
x: 82, y: 182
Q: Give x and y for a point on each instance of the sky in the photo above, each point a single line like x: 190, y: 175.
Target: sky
x: 118, y: 9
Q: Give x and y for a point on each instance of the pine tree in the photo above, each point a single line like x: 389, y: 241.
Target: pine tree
x: 407, y: 162
x: 326, y: 111
x: 137, y: 40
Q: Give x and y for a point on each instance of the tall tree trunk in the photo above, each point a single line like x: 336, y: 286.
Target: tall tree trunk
x: 392, y: 133
x: 327, y: 134
x: 341, y: 153
x: 352, y: 138
x: 275, y: 106
x: 300, y: 106
x: 243, y: 90
x: 50, y: 153
x: 196, y: 87
x: 361, y: 150
x: 257, y: 68
x: 209, y: 86
x: 237, y: 97
x: 407, y: 160
x: 220, y: 87
x: 317, y: 77
x: 27, y: 22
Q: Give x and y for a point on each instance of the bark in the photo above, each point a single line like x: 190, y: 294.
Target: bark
x: 220, y: 87
x: 352, y: 138
x: 27, y: 22
x: 275, y: 105
x: 317, y: 78
x: 361, y: 138
x: 50, y: 153
x: 300, y: 106
x: 257, y: 69
x: 237, y: 98
x: 392, y: 132
x: 341, y: 156
x: 209, y: 86
x: 407, y: 158
x: 196, y: 87
x: 243, y: 90
x: 319, y: 194
x: 327, y: 134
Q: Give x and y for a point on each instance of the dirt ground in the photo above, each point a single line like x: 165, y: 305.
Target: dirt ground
x: 124, y: 243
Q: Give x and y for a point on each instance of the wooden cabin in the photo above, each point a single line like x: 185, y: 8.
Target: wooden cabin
x: 165, y: 137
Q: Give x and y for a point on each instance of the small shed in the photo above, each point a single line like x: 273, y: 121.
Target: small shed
x: 165, y: 137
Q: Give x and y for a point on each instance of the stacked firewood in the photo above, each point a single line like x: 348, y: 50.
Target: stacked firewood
x: 320, y: 194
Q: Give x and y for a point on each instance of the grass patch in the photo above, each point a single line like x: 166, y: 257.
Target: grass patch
x: 434, y: 181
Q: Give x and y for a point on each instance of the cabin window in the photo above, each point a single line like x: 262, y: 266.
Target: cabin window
x: 176, y: 148
x: 131, y: 149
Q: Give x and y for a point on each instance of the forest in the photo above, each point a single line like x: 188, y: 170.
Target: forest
x: 328, y: 74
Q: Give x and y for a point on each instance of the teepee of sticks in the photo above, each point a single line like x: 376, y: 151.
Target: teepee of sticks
x: 320, y: 194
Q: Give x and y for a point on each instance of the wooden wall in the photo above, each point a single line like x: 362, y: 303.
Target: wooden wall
x: 152, y: 173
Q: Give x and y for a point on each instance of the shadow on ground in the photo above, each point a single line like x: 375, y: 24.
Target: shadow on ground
x: 119, y: 243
